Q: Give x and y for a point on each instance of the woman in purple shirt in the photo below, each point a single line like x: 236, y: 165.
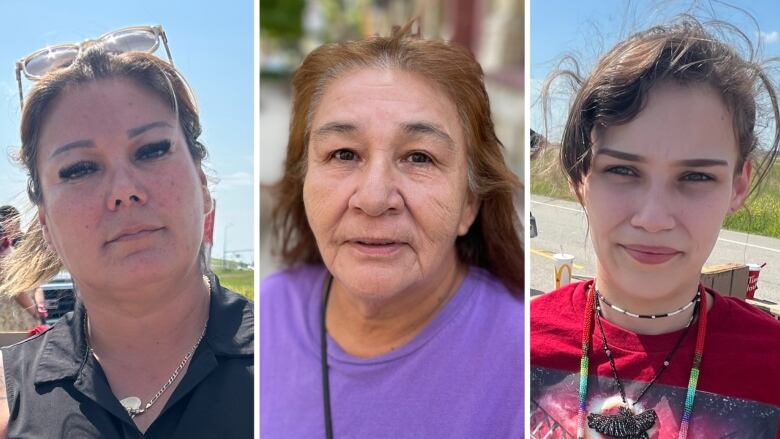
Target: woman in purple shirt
x: 400, y: 312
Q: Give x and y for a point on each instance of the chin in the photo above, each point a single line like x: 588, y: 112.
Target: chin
x: 374, y: 284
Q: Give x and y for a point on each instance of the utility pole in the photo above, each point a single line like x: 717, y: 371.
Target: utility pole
x: 224, y: 247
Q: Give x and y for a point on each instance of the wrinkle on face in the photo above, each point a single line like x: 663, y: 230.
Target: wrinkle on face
x: 385, y: 117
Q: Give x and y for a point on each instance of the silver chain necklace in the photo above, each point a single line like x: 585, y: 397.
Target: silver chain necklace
x: 132, y: 404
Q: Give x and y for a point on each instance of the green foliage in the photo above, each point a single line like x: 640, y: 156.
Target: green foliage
x: 761, y: 214
x: 235, y: 276
x: 282, y: 18
x: 546, y: 177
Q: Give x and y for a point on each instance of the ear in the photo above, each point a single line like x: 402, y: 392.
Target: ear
x: 469, y: 214
x: 44, y: 226
x: 741, y: 187
x: 208, y: 202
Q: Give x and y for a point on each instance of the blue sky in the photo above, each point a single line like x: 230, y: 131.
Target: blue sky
x: 211, y: 44
x: 587, y: 28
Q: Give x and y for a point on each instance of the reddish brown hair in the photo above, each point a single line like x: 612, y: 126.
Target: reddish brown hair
x: 493, y: 241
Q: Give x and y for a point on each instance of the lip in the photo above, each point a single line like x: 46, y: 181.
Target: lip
x: 376, y: 247
x: 134, y: 232
x: 649, y: 254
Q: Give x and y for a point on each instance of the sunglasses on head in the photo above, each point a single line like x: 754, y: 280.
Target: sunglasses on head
x: 131, y: 39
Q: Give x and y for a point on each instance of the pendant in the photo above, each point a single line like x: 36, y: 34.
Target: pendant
x: 624, y: 424
x: 132, y: 404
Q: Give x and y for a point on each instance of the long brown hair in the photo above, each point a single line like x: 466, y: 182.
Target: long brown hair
x: 34, y: 261
x: 684, y: 52
x: 493, y: 241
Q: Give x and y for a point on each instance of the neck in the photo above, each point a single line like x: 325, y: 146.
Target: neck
x: 636, y: 304
x: 161, y: 317
x: 370, y: 328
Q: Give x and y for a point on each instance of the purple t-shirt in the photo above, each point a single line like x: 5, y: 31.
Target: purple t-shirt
x: 461, y: 377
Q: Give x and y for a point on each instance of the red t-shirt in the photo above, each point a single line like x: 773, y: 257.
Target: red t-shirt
x: 738, y: 393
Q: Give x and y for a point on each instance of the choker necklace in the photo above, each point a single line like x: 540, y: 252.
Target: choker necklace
x: 693, y: 301
x: 625, y: 424
x: 132, y: 404
x: 324, y: 360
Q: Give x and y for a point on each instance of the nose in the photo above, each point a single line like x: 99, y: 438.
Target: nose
x: 125, y: 189
x: 377, y: 190
x: 655, y: 210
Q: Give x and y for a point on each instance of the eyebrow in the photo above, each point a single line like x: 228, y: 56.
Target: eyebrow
x: 429, y: 129
x: 695, y: 163
x: 137, y: 131
x: 72, y: 145
x: 334, y: 128
x: 411, y: 128
x: 132, y: 132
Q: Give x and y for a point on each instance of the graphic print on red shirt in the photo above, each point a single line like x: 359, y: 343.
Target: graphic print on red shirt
x: 738, y: 393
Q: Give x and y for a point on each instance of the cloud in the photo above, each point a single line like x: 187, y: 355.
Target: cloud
x: 234, y: 180
x: 769, y: 37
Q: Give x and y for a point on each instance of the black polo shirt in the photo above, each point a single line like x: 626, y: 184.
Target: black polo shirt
x: 56, y: 389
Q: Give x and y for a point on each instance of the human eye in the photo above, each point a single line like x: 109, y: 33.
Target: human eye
x: 621, y: 170
x: 153, y: 151
x: 697, y: 177
x: 77, y: 170
x: 419, y: 158
x: 344, y: 155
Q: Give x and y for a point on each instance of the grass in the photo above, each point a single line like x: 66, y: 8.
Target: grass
x: 760, y: 216
x: 546, y: 177
x: 236, y: 277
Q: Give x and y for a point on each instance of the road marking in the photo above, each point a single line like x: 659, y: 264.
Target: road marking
x: 559, y: 207
x: 719, y: 239
x: 548, y: 255
x: 750, y: 245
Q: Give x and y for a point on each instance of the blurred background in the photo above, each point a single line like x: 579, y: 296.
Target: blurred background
x: 290, y: 29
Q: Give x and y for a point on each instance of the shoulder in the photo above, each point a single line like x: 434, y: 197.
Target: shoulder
x: 556, y: 326
x: 737, y: 318
x: 231, y: 322
x: 741, y: 350
x: 289, y: 300
x: 17, y: 355
x: 292, y: 286
x: 557, y: 304
x: 483, y: 294
x: 487, y: 284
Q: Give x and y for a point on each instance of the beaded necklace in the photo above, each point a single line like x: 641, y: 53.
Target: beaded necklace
x: 587, y: 331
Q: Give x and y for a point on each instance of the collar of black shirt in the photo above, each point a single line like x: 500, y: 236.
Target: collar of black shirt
x: 230, y: 333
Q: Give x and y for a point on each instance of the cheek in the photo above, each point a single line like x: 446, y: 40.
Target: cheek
x: 437, y: 209
x: 324, y: 199
x: 606, y: 206
x: 72, y: 212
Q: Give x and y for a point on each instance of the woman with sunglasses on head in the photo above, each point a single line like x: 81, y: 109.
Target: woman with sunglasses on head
x: 155, y: 348
x: 660, y: 145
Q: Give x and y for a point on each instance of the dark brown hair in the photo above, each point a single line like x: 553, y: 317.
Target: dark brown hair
x: 493, y: 241
x: 34, y: 262
x: 684, y: 53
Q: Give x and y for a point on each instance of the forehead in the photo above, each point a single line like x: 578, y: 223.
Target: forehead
x: 677, y: 122
x: 99, y: 109
x: 386, y: 97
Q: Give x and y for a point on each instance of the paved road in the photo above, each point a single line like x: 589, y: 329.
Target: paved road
x: 562, y: 226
